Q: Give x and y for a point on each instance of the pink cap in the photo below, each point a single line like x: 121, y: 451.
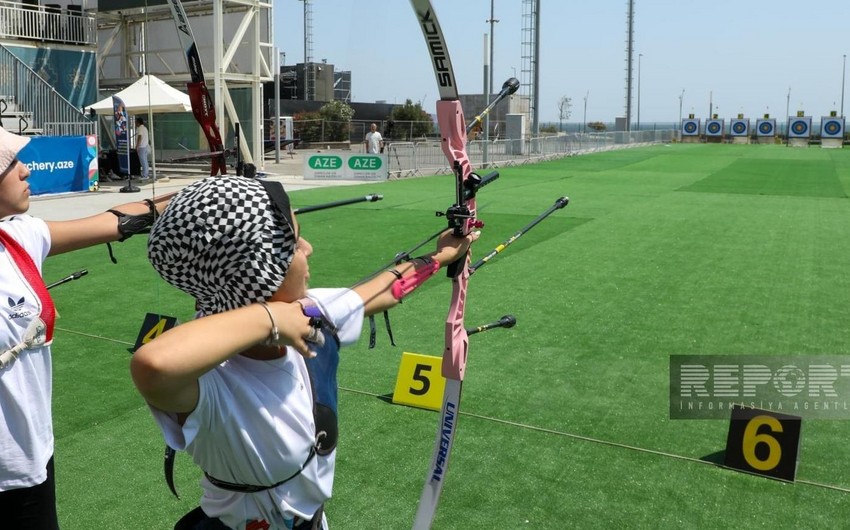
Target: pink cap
x: 10, y: 144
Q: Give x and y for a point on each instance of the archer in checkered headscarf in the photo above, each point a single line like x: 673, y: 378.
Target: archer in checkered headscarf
x: 260, y: 417
x: 227, y: 241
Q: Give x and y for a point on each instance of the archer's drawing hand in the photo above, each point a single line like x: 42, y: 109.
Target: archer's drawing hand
x: 293, y: 326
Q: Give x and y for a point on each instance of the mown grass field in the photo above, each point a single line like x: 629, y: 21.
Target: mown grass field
x: 679, y: 249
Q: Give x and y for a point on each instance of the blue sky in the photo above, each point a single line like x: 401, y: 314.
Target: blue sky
x: 743, y: 55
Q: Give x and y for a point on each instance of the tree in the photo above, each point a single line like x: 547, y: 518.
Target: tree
x: 420, y: 121
x: 564, y: 112
x: 337, y: 116
x: 308, y: 126
x: 597, y: 126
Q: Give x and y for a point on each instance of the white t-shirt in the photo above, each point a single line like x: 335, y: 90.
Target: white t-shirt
x: 373, y: 142
x: 26, y: 385
x: 253, y: 424
x: 141, y: 136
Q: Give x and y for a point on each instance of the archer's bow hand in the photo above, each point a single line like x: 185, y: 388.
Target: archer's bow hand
x: 451, y: 248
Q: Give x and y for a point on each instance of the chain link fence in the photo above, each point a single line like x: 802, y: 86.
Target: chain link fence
x: 422, y: 155
x: 407, y: 159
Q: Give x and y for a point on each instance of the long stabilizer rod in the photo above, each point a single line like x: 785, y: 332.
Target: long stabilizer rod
x: 76, y: 276
x: 560, y: 203
x: 316, y: 207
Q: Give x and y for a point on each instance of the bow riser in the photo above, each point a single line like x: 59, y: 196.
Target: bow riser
x: 453, y: 140
x: 457, y: 340
x: 453, y: 143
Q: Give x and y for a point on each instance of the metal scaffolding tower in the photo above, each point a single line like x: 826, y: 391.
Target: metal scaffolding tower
x: 530, y: 73
x: 235, y: 55
x: 309, y: 67
x: 630, y: 45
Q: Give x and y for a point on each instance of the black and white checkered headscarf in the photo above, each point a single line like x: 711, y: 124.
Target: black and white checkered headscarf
x: 225, y: 241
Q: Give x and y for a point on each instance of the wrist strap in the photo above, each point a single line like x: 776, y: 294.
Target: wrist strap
x: 406, y: 285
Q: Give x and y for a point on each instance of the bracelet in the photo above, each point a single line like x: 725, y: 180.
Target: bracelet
x: 275, y: 335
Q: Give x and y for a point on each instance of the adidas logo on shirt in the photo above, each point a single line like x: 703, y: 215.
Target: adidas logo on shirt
x: 15, y: 308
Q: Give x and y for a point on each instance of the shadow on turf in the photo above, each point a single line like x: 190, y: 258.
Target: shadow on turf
x: 717, y: 458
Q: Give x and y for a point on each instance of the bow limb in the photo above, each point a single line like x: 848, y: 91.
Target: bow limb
x: 203, y: 107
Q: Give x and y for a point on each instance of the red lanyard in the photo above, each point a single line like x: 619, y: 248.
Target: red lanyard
x: 30, y: 272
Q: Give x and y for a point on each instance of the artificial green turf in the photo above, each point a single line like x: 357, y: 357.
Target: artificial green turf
x: 703, y: 249
x: 808, y: 178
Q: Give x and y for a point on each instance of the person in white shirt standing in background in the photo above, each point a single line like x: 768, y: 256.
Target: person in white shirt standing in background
x: 142, y: 145
x: 374, y: 141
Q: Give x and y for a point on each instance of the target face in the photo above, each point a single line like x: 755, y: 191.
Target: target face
x: 713, y: 128
x: 832, y: 128
x: 765, y: 128
x: 739, y: 128
x: 799, y: 128
x: 690, y: 127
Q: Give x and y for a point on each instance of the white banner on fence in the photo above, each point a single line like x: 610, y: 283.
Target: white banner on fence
x: 330, y: 165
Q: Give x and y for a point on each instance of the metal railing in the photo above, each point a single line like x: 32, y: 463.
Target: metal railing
x: 406, y: 159
x: 50, y: 24
x: 354, y: 131
x: 46, y: 111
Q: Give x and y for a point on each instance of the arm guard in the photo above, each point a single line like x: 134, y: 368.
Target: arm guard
x: 129, y: 225
x: 406, y: 285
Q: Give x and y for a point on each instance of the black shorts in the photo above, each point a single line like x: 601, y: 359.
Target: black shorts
x: 33, y: 508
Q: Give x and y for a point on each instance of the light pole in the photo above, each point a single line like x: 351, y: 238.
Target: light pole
x: 584, y: 119
x: 710, y: 103
x: 486, y: 124
x: 491, y: 21
x: 681, y: 97
x: 638, y: 93
x: 787, y: 111
x: 843, y: 71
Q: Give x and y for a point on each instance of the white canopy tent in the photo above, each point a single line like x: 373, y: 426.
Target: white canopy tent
x: 149, y: 94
